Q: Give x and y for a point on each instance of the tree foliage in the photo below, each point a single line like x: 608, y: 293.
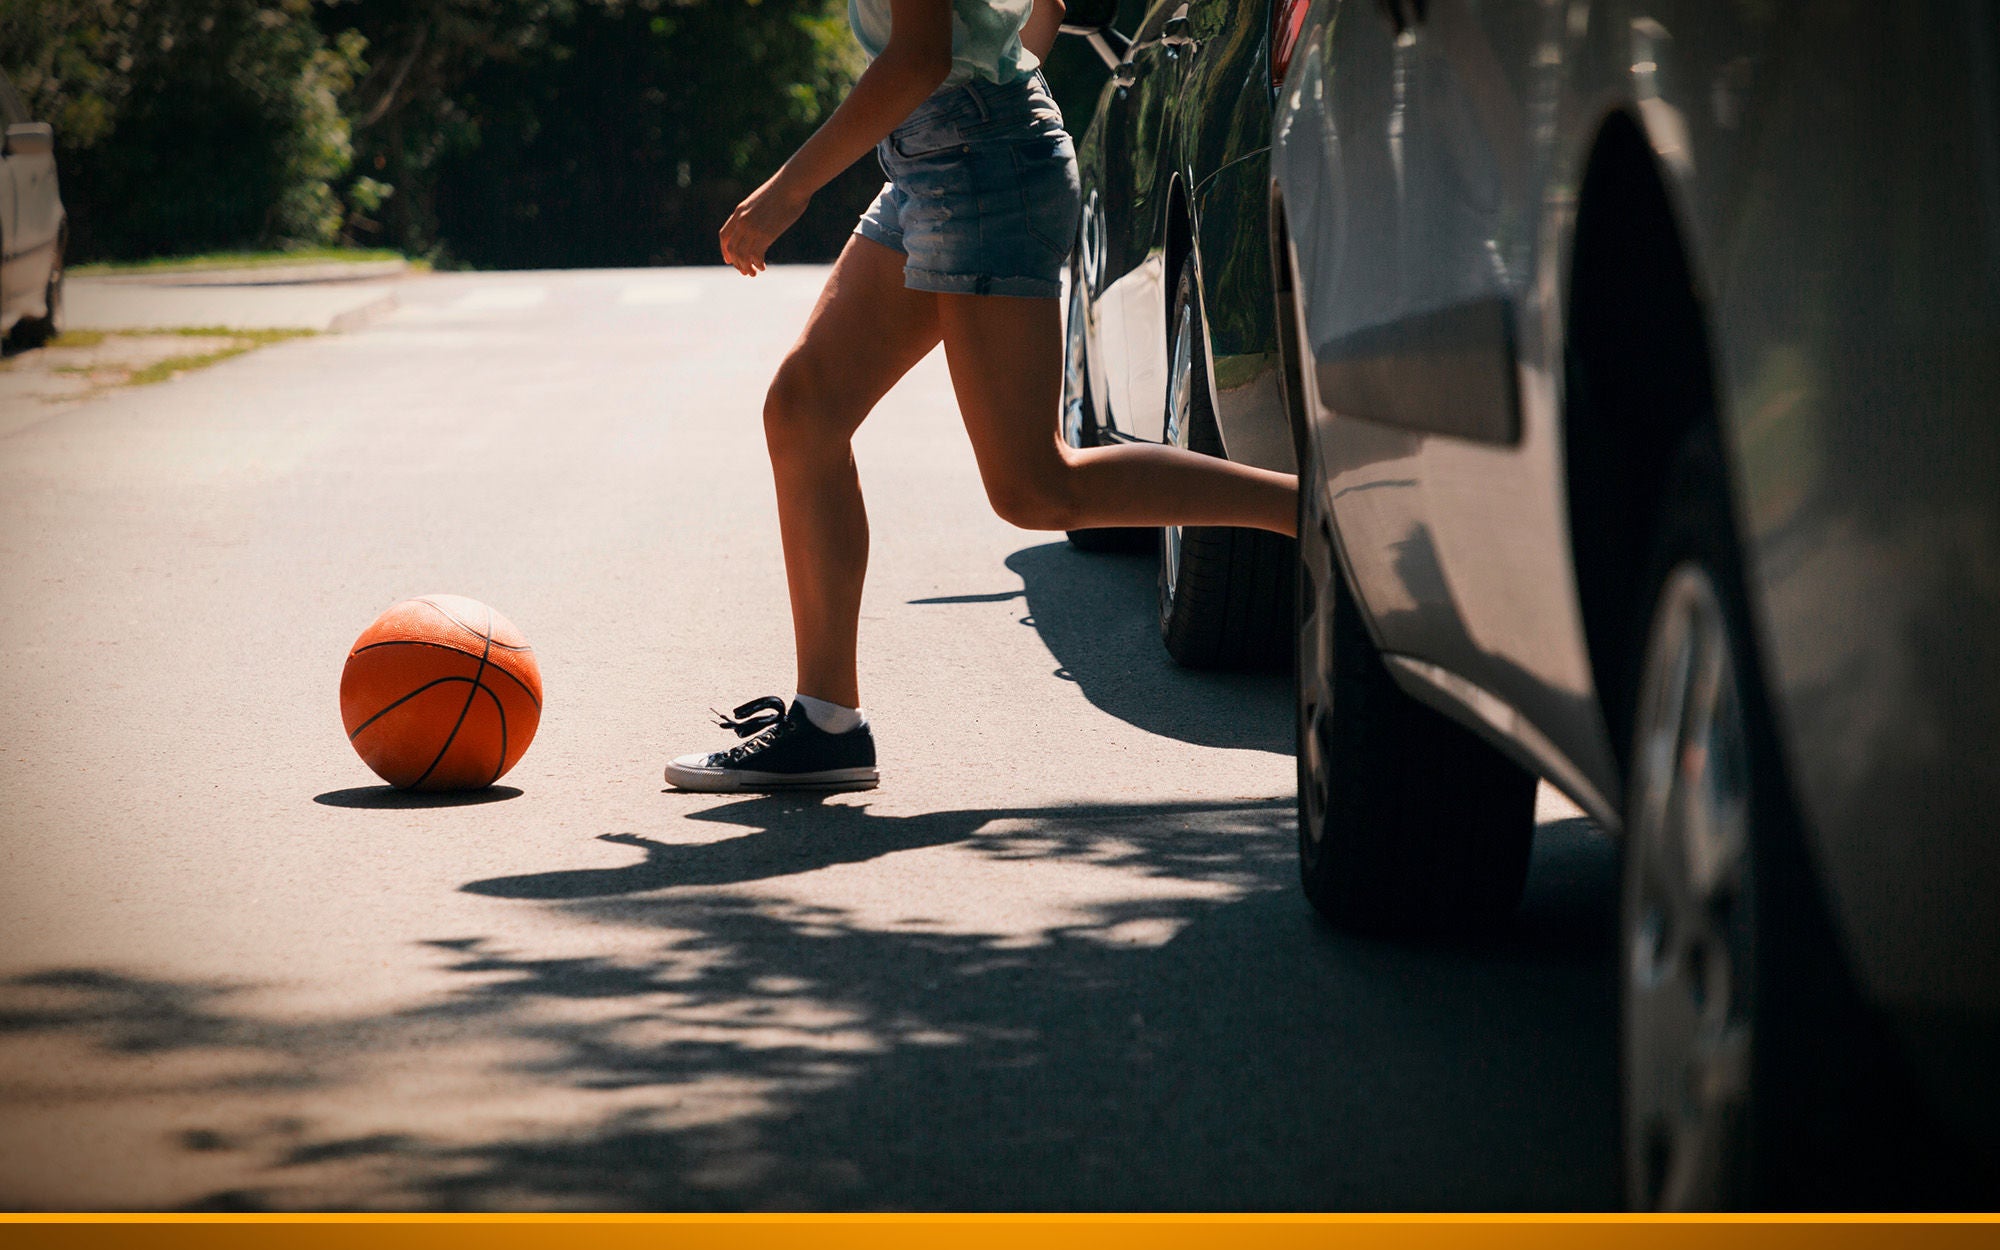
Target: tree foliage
x: 590, y: 132
x: 499, y: 133
x: 188, y: 125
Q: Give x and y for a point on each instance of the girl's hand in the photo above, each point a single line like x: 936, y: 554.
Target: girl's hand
x: 757, y: 222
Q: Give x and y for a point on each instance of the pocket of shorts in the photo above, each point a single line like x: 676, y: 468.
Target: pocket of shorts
x: 1051, y: 197
x: 929, y: 141
x: 942, y: 131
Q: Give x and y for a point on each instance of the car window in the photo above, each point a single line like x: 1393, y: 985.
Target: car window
x: 10, y: 104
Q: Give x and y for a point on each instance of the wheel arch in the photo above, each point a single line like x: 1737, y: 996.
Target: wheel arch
x: 1639, y: 376
x: 1291, y: 379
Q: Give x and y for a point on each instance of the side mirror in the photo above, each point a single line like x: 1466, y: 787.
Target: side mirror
x: 30, y: 139
x: 1092, y: 19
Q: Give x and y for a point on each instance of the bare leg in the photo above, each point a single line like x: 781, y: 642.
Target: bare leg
x: 865, y: 333
x: 1006, y: 369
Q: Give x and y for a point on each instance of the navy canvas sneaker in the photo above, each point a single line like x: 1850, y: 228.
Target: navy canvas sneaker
x: 784, y: 751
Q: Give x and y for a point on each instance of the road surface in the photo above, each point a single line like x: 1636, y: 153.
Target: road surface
x: 1059, y: 959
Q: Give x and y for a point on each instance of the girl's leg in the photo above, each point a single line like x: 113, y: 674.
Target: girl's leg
x: 1006, y: 369
x: 865, y: 333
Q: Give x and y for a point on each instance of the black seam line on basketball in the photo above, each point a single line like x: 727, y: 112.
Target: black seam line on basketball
x: 501, y: 766
x: 442, y: 681
x: 470, y: 695
x: 445, y: 646
x: 469, y: 629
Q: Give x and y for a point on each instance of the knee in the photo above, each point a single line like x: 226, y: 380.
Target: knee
x: 1031, y: 503
x: 797, y: 415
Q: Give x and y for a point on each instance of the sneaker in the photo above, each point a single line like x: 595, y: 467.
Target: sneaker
x: 785, y: 751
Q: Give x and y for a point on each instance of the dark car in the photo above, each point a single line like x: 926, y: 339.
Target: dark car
x: 1646, y: 364
x: 32, y: 225
x: 1170, y: 328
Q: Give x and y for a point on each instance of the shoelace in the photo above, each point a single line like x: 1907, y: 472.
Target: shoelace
x: 756, y: 715
x: 763, y: 717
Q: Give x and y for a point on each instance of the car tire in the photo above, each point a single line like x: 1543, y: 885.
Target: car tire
x: 1751, y: 1074
x: 1079, y: 421
x: 1225, y: 593
x: 1409, y: 822
x: 36, y: 331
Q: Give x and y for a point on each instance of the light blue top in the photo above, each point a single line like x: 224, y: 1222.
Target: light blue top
x: 985, y: 37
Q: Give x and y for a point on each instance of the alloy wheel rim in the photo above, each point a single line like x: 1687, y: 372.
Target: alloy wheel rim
x: 1687, y: 922
x: 1074, y: 381
x: 1180, y: 377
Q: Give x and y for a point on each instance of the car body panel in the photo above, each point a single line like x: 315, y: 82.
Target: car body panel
x: 1448, y: 538
x: 1189, y: 134
x: 1232, y: 249
x: 1128, y: 174
x: 1835, y: 177
x: 31, y: 221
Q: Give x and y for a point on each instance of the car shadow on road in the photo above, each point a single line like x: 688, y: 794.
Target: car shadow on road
x: 1098, y: 615
x: 1168, y: 1028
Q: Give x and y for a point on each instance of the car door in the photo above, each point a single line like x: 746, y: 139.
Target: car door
x: 1435, y: 362
x: 1124, y: 229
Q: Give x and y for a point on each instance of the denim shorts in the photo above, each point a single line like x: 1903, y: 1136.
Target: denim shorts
x: 982, y: 197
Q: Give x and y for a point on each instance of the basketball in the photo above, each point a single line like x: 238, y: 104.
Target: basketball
x: 441, y: 693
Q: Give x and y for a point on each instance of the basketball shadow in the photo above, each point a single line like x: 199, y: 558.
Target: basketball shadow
x: 389, y: 798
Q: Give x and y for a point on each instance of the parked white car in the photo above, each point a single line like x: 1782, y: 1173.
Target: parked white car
x: 33, y: 226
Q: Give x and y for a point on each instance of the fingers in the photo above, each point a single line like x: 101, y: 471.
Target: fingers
x: 741, y: 248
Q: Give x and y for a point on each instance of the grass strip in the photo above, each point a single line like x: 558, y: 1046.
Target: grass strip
x: 242, y: 260
x: 162, y: 370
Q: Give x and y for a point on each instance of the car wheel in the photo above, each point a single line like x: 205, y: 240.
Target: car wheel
x: 1408, y: 821
x: 35, y: 331
x: 1688, y: 909
x: 1751, y: 1074
x: 1225, y: 594
x: 1079, y: 418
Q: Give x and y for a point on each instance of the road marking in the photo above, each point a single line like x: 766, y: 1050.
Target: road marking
x: 501, y: 298
x: 675, y: 291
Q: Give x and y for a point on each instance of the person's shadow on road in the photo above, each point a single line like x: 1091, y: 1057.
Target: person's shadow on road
x: 795, y: 834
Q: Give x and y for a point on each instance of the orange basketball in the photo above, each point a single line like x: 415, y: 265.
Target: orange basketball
x: 441, y: 693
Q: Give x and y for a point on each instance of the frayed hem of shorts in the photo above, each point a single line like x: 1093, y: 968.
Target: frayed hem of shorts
x: 980, y: 284
x: 875, y: 234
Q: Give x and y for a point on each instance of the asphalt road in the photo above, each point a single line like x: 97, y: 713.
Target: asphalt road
x: 1059, y: 959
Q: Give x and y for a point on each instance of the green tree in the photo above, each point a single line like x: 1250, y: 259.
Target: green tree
x: 632, y: 134
x: 187, y: 125
x: 593, y: 132
x: 406, y: 111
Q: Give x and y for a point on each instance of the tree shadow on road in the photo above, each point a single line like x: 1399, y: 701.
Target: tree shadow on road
x: 1172, y: 1029
x: 1098, y: 616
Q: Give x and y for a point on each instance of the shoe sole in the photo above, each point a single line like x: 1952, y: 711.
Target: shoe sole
x: 734, y: 781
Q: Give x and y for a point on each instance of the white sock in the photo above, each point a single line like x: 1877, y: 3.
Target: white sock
x: 830, y: 717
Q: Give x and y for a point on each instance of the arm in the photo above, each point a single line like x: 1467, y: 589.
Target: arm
x: 916, y: 60
x: 1039, y: 35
